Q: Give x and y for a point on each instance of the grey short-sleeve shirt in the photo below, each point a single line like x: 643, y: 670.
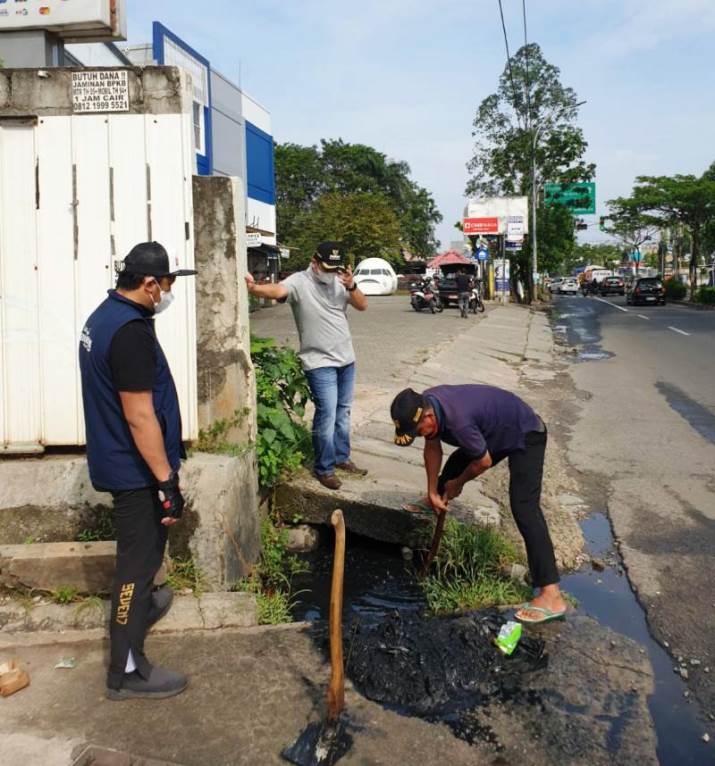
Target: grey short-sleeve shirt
x: 320, y: 313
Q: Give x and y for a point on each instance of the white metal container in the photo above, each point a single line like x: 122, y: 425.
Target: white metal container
x: 77, y: 192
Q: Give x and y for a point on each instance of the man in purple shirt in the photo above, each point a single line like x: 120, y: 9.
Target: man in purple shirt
x: 487, y: 424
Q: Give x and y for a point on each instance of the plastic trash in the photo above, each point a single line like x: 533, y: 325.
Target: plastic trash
x: 70, y: 663
x: 508, y: 637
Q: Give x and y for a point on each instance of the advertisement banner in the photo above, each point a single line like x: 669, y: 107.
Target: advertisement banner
x: 501, y: 274
x: 481, y: 225
x: 89, y: 20
x: 503, y: 209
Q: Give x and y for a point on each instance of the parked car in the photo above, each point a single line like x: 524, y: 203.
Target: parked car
x: 646, y: 290
x: 569, y: 285
x: 612, y: 285
x: 448, y: 292
x: 554, y: 284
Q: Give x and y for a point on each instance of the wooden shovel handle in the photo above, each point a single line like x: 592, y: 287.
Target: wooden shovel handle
x: 436, y: 540
x: 336, y: 689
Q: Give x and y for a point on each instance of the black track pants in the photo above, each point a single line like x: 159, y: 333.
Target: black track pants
x: 141, y: 539
x: 526, y: 468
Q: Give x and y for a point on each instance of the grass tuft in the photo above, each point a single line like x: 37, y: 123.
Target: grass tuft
x: 468, y: 572
x: 184, y: 573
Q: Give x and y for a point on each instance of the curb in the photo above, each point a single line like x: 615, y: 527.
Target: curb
x: 691, y: 305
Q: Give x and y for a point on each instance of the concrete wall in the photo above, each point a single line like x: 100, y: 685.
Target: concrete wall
x: 153, y: 90
x: 226, y: 380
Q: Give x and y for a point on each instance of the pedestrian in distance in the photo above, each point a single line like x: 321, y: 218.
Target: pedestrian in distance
x: 134, y: 451
x: 319, y: 297
x: 464, y: 289
x: 487, y: 425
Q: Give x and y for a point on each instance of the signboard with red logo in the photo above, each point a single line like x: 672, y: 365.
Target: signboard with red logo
x: 481, y: 225
x: 86, y: 20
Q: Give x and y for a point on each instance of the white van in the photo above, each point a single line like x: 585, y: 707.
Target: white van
x: 375, y: 276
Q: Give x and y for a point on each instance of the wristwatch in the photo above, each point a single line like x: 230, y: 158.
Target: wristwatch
x: 351, y: 289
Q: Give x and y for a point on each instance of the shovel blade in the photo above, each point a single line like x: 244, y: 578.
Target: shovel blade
x: 321, y: 744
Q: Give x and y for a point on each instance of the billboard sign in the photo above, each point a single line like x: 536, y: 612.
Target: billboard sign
x: 86, y: 20
x: 480, y: 214
x: 481, y: 225
x: 501, y: 275
x: 579, y: 198
x: 515, y: 228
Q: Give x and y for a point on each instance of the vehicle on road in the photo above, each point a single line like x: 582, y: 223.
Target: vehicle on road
x: 422, y: 296
x: 554, y: 284
x: 646, y: 290
x: 375, y: 276
x: 568, y: 286
x: 614, y: 285
x: 448, y: 292
x: 476, y: 304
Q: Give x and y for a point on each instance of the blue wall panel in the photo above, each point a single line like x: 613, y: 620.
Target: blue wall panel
x: 261, y: 184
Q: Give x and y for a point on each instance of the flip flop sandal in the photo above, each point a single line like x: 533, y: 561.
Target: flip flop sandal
x: 549, y: 616
x: 418, y: 507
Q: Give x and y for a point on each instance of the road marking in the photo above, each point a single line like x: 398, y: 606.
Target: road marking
x: 603, y: 300
x: 675, y: 329
x: 642, y: 316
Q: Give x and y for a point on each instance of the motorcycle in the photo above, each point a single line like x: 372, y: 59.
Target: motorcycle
x: 423, y: 297
x: 476, y: 304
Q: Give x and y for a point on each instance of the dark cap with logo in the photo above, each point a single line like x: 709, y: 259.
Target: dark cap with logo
x: 150, y: 259
x: 330, y: 254
x: 406, y: 411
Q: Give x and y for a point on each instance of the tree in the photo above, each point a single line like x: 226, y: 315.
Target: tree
x: 364, y: 223
x: 680, y: 200
x: 531, y: 116
x: 304, y: 174
x: 629, y: 225
x: 601, y: 254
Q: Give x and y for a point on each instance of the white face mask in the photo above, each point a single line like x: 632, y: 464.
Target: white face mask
x: 165, y: 301
x: 326, y: 277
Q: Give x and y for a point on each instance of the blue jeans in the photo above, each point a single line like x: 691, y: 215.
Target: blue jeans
x: 331, y: 389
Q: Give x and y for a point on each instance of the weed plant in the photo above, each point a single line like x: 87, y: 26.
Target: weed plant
x: 104, y: 529
x: 184, y: 573
x: 469, y: 571
x: 65, y: 594
x: 283, y: 442
x: 272, y: 579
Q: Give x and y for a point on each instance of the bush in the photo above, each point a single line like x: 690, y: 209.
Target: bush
x: 706, y: 295
x: 675, y: 290
x: 283, y: 441
x: 469, y: 571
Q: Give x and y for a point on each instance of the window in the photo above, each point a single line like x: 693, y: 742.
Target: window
x: 199, y: 142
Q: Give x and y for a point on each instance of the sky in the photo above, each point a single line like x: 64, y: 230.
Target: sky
x: 406, y: 76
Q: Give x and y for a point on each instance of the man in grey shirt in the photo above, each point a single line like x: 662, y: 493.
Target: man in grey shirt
x: 319, y: 298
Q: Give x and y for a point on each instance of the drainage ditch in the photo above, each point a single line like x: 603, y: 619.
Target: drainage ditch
x: 447, y: 669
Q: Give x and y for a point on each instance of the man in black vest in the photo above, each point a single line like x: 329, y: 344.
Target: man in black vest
x: 134, y: 451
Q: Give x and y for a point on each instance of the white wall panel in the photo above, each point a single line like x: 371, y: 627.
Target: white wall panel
x: 20, y: 371
x: 59, y: 380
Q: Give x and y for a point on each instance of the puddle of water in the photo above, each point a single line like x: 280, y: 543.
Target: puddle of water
x: 607, y: 596
x: 699, y: 417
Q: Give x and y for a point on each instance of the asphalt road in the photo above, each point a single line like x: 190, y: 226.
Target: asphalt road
x: 644, y: 434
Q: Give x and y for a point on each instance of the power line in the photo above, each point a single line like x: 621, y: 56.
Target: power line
x: 526, y: 56
x: 508, y: 61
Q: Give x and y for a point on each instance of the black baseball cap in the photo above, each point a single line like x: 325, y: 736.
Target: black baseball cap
x: 150, y: 259
x: 330, y: 255
x: 406, y: 411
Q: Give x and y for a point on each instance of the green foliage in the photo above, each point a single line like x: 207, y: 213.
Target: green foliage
x: 272, y: 579
x: 185, y: 573
x: 602, y: 254
x: 65, y: 594
x: 364, y: 223
x: 104, y: 529
x: 530, y: 112
x: 675, y: 201
x: 706, y: 295
x: 29, y: 540
x: 215, y: 438
x: 283, y: 441
x: 675, y: 289
x: 305, y: 174
x: 555, y: 245
x: 469, y: 570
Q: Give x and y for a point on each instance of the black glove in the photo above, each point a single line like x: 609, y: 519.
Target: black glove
x: 170, y: 497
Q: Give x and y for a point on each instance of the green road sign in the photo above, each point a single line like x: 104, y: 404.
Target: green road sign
x: 579, y: 198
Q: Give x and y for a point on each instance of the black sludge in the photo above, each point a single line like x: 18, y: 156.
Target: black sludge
x: 436, y: 667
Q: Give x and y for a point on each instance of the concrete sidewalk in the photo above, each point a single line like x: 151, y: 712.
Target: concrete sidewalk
x: 253, y: 691
x: 511, y: 347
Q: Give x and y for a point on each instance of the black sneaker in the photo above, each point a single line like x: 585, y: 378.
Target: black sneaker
x: 161, y: 600
x: 160, y: 685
